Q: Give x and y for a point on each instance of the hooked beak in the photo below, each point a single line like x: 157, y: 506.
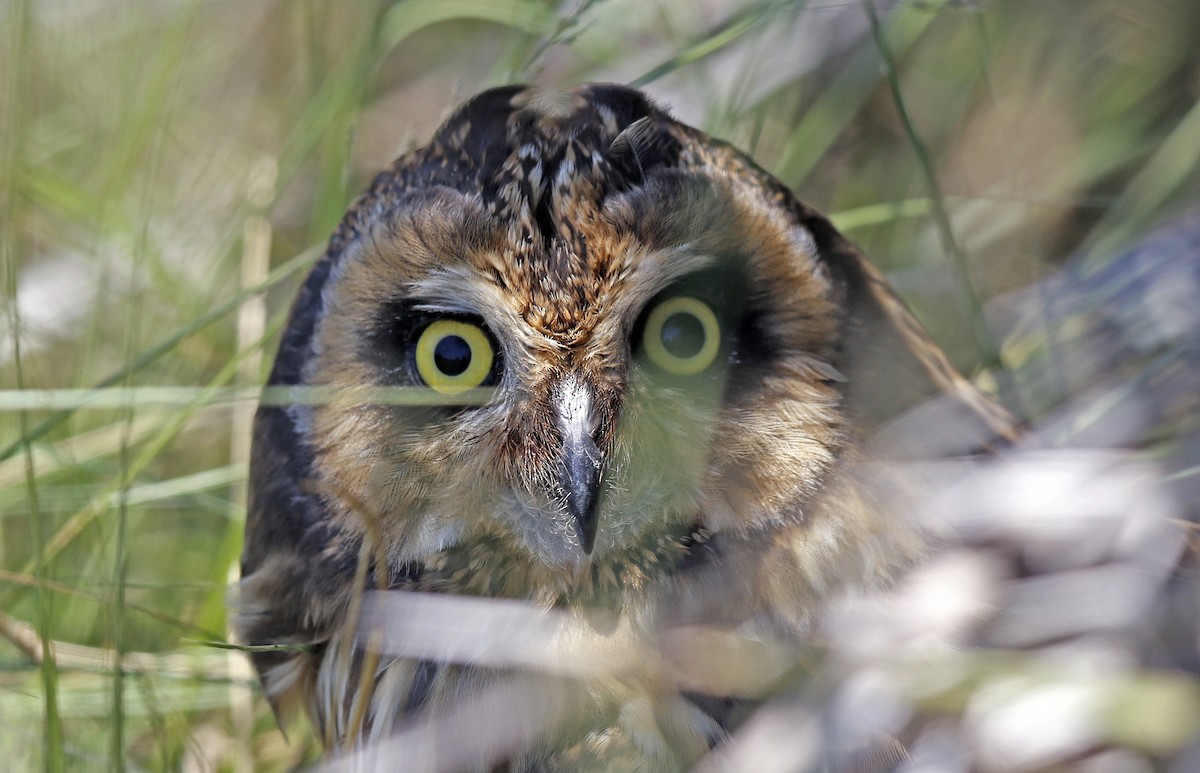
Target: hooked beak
x: 581, y: 462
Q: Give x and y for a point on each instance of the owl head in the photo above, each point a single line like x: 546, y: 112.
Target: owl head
x: 570, y: 338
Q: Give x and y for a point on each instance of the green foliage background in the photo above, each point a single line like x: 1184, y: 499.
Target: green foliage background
x: 170, y: 168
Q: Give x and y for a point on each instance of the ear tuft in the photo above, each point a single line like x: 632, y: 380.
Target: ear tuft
x: 640, y: 147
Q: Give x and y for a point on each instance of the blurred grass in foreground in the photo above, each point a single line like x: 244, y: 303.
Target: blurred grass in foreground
x: 169, y: 170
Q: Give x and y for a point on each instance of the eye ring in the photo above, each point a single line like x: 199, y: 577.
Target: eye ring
x: 453, y: 356
x: 678, y: 318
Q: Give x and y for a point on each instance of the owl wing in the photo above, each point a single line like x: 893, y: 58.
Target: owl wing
x: 284, y: 585
x: 893, y: 365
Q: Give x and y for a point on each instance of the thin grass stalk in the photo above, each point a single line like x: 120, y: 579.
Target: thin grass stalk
x: 985, y: 342
x: 1147, y: 195
x: 728, y: 33
x: 299, y: 263
x: 100, y: 503
x: 148, y: 127
x: 842, y: 99
x: 120, y: 565
x: 251, y: 329
x: 21, y: 46
x: 564, y: 30
x: 28, y: 581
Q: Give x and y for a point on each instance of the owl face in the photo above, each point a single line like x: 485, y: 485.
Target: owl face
x: 577, y: 351
x: 592, y: 334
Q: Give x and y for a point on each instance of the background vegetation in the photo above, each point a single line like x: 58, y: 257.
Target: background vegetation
x: 169, y: 168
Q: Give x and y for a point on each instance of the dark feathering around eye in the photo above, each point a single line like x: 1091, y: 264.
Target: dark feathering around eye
x: 705, y: 323
x: 450, y: 353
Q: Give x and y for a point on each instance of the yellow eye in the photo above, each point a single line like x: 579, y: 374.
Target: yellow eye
x: 454, y: 356
x: 682, y: 336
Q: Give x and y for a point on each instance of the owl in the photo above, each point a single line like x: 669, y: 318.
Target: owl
x: 575, y: 355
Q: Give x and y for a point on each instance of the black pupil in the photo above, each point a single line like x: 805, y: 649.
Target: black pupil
x: 452, y: 355
x: 683, y: 335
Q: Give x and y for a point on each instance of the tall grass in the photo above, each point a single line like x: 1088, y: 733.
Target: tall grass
x: 170, y: 169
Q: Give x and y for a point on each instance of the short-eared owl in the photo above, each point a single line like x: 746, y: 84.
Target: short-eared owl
x: 577, y: 355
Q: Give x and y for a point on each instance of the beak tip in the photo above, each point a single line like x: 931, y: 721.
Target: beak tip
x: 587, y: 539
x: 582, y: 503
